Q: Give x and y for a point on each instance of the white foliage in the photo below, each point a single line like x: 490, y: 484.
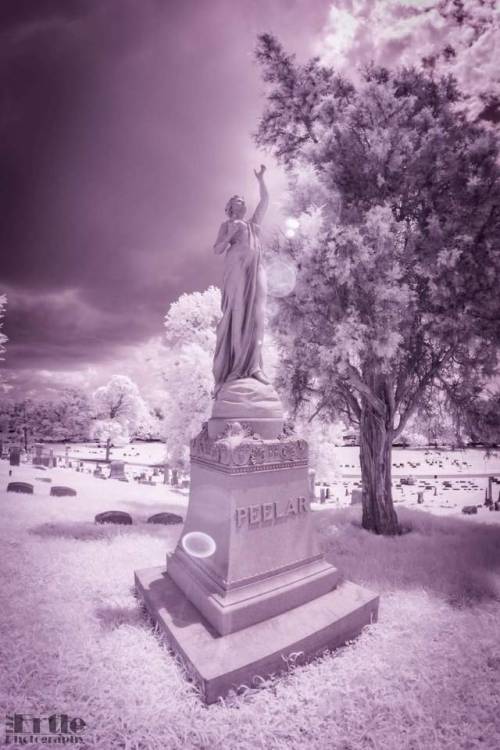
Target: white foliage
x: 103, y: 430
x: 120, y: 401
x: 193, y: 318
x: 187, y: 373
x: 323, y: 439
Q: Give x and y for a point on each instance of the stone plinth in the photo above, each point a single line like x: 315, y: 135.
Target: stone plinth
x: 247, y: 585
x: 222, y: 663
x: 255, y: 551
x: 254, y: 404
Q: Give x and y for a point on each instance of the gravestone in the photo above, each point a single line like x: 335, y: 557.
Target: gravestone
x: 24, y: 487
x: 38, y: 454
x: 41, y: 457
x: 117, y: 471
x: 114, y: 516
x: 249, y: 561
x: 61, y: 491
x: 166, y: 518
x: 356, y: 497
x: 15, y: 455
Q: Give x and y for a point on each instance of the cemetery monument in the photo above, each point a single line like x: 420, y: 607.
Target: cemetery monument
x: 247, y: 584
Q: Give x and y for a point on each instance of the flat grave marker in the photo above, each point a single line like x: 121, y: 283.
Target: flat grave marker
x: 61, y: 491
x: 24, y: 487
x: 114, y: 516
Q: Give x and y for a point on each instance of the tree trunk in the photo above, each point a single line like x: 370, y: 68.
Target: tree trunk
x: 376, y: 480
x: 108, y: 449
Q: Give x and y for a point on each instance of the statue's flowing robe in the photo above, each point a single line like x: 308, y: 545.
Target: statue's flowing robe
x: 238, y: 352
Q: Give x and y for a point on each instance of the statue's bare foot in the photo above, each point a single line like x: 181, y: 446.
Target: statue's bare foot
x: 261, y: 377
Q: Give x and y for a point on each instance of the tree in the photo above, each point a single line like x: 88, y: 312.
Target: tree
x: 396, y: 196
x: 193, y: 319
x: 66, y: 418
x: 119, y: 409
x: 457, y: 37
x: 110, y: 432
x: 187, y: 373
x: 190, y: 331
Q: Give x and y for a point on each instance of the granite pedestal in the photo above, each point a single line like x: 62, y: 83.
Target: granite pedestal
x: 219, y: 664
x: 248, y: 584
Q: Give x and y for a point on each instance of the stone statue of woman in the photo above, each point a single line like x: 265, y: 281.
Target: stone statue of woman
x: 240, y: 332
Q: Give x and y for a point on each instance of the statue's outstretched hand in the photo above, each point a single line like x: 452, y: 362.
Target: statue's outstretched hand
x: 261, y: 171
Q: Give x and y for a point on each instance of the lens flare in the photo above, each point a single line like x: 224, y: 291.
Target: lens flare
x: 290, y: 234
x: 292, y: 223
x: 281, y: 277
x: 198, y: 544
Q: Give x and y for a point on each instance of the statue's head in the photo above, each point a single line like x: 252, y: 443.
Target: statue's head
x: 235, y: 207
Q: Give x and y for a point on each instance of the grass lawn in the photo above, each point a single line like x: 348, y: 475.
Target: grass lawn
x: 75, y: 640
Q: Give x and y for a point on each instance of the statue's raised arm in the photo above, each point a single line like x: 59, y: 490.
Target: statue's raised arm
x: 261, y: 209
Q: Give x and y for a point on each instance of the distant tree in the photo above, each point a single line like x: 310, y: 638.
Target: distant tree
x: 119, y: 408
x: 397, y: 197
x: 189, y: 383
x: 193, y: 319
x: 110, y: 433
x: 67, y: 417
x: 15, y: 417
x: 190, y: 331
x: 150, y: 426
x: 322, y: 438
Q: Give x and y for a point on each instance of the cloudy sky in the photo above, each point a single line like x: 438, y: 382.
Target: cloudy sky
x: 125, y: 124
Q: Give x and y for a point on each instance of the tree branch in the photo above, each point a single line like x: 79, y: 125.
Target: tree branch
x: 415, y: 398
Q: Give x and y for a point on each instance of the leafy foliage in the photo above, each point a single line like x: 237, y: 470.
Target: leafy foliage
x: 66, y: 418
x: 119, y: 402
x: 397, y: 198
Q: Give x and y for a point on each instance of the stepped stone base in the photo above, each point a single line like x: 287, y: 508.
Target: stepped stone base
x: 223, y: 663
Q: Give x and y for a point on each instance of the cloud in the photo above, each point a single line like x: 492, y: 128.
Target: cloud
x: 125, y: 126
x: 404, y: 32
